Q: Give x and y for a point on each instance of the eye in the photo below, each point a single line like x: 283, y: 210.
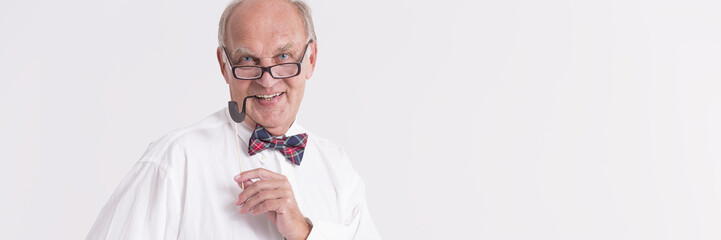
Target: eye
x: 246, y: 59
x: 284, y: 56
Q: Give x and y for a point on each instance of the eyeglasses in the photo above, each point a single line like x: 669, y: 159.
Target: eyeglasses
x: 279, y: 71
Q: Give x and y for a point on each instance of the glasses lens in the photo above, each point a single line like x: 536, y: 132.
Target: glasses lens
x: 247, y: 72
x: 284, y: 70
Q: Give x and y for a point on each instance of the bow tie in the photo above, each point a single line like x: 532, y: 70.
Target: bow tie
x: 291, y: 147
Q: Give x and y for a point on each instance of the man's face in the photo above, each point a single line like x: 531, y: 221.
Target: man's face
x: 266, y: 33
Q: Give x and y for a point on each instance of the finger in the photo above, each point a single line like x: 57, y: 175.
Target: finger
x: 245, y: 184
x: 260, y: 173
x: 260, y: 198
x: 248, y: 183
x: 272, y: 205
x: 257, y: 187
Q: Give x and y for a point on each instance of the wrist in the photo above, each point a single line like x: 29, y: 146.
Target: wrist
x: 304, y: 231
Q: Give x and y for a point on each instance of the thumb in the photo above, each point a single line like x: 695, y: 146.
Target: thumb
x: 271, y: 216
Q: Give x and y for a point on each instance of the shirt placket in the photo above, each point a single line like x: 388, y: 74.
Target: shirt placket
x: 287, y: 168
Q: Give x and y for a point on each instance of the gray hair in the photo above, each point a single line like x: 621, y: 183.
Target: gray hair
x: 301, y: 6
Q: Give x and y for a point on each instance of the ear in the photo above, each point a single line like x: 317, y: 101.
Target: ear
x: 312, y: 59
x: 223, y: 65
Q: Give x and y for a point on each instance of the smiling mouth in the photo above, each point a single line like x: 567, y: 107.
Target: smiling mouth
x: 268, y: 97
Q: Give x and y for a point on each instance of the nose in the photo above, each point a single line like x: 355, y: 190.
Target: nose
x: 266, y: 80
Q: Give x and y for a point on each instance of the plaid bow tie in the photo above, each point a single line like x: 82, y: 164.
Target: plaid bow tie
x: 291, y: 147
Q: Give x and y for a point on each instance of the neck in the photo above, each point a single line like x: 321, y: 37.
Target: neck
x: 274, y: 131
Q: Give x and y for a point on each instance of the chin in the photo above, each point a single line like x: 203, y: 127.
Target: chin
x: 271, y: 120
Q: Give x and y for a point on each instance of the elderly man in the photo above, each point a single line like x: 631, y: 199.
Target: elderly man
x: 294, y: 185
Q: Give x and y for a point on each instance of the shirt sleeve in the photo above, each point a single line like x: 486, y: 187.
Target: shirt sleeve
x: 356, y: 220
x: 144, y: 206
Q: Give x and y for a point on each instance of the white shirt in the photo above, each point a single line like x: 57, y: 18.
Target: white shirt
x: 183, y: 188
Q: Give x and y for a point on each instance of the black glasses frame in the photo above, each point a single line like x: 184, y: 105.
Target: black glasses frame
x: 267, y: 69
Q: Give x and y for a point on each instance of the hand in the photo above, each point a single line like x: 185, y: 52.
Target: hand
x: 273, y: 196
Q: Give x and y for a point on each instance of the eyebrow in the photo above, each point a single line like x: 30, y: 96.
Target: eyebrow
x: 242, y: 51
x: 284, y: 48
x: 239, y: 52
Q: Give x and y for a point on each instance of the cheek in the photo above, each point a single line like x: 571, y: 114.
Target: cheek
x: 297, y: 88
x: 239, y: 86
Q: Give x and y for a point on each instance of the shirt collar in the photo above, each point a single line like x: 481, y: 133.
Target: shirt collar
x: 244, y: 131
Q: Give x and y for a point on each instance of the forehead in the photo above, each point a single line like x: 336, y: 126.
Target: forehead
x: 263, y: 26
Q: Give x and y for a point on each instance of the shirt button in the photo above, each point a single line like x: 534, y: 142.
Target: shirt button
x: 262, y: 159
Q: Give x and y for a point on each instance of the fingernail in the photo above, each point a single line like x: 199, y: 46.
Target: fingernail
x: 237, y: 177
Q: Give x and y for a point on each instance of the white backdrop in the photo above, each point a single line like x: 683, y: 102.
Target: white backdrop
x: 508, y: 119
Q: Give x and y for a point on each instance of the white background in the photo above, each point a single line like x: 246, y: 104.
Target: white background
x: 478, y: 119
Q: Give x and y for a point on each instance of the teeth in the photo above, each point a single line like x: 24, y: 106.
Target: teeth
x: 268, y: 97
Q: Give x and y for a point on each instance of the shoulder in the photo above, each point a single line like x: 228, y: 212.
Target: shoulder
x: 175, y: 144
